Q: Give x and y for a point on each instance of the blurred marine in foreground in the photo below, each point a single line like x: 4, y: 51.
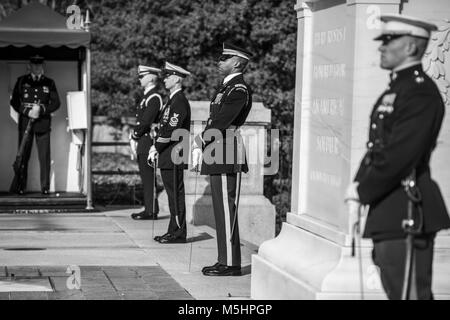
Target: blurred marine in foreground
x: 406, y: 205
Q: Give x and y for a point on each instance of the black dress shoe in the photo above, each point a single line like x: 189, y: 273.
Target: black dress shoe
x: 45, y: 191
x: 222, y: 271
x: 143, y: 216
x: 158, y: 238
x: 172, y: 239
x: 211, y: 267
x: 20, y: 192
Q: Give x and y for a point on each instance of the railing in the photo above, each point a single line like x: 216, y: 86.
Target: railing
x: 110, y: 172
x: 133, y: 189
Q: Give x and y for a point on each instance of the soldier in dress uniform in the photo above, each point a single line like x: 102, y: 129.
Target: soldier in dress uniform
x: 176, y: 114
x: 395, y: 171
x: 219, y: 150
x: 35, y: 97
x: 142, y: 137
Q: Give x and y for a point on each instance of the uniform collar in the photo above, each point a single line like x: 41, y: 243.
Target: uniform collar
x: 406, y: 66
x: 147, y: 89
x: 174, y: 93
x: 406, y: 69
x: 230, y: 76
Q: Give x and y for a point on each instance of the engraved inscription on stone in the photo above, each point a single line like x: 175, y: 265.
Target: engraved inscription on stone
x: 323, y: 38
x: 329, y: 71
x: 325, y: 178
x: 328, y: 106
x: 327, y: 144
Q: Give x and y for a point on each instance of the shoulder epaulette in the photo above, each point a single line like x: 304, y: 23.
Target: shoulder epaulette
x: 239, y: 87
x: 152, y: 96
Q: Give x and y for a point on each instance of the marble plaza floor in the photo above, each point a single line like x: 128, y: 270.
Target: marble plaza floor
x: 116, y: 258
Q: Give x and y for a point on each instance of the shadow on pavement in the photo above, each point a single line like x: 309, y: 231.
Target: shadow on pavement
x: 202, y: 236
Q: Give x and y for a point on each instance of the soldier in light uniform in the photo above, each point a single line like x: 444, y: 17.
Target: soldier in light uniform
x: 222, y: 157
x: 176, y: 114
x: 142, y: 137
x: 404, y: 126
x: 35, y: 97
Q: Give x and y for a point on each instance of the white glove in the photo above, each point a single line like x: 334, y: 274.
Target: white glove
x: 352, y: 192
x: 196, y: 157
x: 34, y: 112
x: 152, y: 154
x: 154, y: 131
x: 353, y: 204
x: 133, y: 147
x: 354, y: 215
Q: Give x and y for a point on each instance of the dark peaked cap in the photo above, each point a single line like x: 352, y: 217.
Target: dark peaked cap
x: 232, y: 50
x: 36, y: 59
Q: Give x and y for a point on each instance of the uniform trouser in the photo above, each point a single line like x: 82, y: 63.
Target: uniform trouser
x: 148, y: 182
x: 389, y: 256
x: 43, y: 148
x: 173, y: 181
x: 223, y: 191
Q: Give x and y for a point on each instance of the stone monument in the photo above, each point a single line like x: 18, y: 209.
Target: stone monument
x: 337, y: 81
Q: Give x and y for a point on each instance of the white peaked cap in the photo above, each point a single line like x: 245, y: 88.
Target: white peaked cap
x: 396, y: 24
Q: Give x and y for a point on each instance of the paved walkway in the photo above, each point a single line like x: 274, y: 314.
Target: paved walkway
x: 111, y: 246
x: 89, y: 283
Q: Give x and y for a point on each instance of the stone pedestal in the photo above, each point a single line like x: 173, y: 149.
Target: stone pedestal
x: 256, y: 213
x: 338, y: 80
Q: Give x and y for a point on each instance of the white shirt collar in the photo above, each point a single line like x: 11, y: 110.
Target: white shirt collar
x: 36, y: 77
x: 147, y: 89
x: 406, y: 66
x: 173, y: 93
x: 230, y: 76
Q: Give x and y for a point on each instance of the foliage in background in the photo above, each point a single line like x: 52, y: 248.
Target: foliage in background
x: 125, y: 189
x: 190, y: 33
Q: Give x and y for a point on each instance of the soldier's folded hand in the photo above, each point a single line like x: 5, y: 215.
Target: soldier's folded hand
x: 196, y: 157
x: 133, y: 147
x: 354, y: 208
x: 353, y: 204
x: 34, y: 112
x: 152, y: 155
x: 154, y: 131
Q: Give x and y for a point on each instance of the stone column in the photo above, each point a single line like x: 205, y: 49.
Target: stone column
x: 256, y: 213
x: 338, y: 80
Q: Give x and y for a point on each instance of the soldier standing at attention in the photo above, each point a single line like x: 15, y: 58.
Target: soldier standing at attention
x: 229, y: 109
x: 176, y: 114
x: 394, y: 179
x: 35, y: 97
x: 146, y: 116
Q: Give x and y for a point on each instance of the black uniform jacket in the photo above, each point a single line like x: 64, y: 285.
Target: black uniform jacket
x: 43, y: 92
x: 146, y: 114
x: 176, y: 114
x: 404, y: 127
x: 228, y: 111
